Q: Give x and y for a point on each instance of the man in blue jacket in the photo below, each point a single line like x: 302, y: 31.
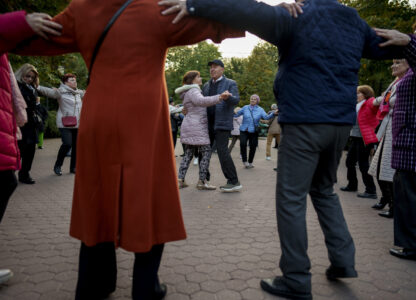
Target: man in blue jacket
x: 315, y: 87
x: 220, y: 121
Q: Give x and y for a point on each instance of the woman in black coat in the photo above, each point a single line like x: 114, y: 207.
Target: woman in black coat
x: 28, y: 79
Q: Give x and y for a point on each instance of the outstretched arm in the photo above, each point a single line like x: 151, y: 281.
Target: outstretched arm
x: 268, y: 22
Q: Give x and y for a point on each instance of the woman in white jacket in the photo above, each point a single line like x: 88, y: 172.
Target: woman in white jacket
x: 194, y: 129
x: 70, y: 104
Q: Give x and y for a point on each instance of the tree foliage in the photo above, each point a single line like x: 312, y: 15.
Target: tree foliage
x: 391, y: 14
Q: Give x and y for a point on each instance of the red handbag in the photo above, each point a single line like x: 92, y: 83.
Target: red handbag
x: 69, y: 121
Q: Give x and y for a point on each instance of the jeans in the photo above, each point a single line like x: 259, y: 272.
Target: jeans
x: 69, y: 140
x: 309, y: 156
x: 253, y: 139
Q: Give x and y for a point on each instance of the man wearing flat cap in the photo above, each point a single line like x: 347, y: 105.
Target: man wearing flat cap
x: 220, y: 121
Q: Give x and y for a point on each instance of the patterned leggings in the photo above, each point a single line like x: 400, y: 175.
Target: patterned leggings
x: 205, y: 151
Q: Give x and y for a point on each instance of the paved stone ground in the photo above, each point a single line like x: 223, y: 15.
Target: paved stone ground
x: 232, y: 241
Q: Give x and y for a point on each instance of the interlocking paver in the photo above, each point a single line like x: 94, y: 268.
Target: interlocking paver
x: 232, y: 241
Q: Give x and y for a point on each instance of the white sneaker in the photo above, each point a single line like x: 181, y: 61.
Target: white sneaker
x: 268, y: 158
x: 246, y: 164
x: 195, y: 161
x: 205, y: 186
x: 5, y: 275
x: 250, y: 166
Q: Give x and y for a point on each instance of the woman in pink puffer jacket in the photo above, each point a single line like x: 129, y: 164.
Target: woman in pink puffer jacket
x: 194, y: 129
x: 14, y: 28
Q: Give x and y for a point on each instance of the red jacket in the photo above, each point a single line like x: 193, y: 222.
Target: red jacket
x: 13, y: 29
x: 368, y: 122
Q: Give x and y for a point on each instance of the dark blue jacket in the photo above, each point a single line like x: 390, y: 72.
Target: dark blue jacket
x: 220, y: 116
x: 320, y: 53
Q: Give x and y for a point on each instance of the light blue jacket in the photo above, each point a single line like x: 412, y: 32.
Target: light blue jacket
x: 251, y: 117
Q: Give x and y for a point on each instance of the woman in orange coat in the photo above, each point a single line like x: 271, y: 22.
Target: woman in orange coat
x: 126, y: 192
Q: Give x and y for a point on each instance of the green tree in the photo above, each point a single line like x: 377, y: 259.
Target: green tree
x: 396, y: 14
x: 182, y: 59
x: 258, y: 75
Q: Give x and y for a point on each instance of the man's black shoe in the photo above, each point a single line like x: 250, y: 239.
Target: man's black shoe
x: 404, y: 253
x: 348, y: 189
x: 27, y: 180
x: 386, y: 214
x: 160, y: 291
x: 367, y: 195
x: 275, y: 169
x: 333, y: 273
x: 57, y: 170
x: 277, y: 287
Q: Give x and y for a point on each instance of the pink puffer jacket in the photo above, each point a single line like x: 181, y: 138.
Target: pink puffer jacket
x: 194, y: 129
x: 13, y: 29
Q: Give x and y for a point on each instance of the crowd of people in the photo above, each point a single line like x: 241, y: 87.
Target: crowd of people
x: 109, y: 211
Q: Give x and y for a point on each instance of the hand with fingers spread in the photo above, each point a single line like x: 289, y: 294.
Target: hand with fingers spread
x: 43, y: 25
x: 393, y: 37
x: 293, y: 8
x: 178, y: 6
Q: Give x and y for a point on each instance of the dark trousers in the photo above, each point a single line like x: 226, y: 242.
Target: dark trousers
x: 220, y: 137
x: 404, y: 186
x: 69, y: 140
x: 253, y: 140
x: 97, y: 273
x: 386, y: 188
x: 8, y: 184
x: 175, y: 137
x: 359, y: 152
x: 309, y: 156
x: 27, y: 153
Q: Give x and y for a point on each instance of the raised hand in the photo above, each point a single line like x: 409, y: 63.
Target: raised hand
x: 175, y: 6
x: 393, y: 37
x: 293, y: 8
x: 42, y: 25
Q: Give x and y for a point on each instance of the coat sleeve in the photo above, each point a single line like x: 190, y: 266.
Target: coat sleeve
x: 13, y: 29
x: 48, y: 92
x: 372, y: 50
x: 410, y: 53
x: 199, y: 100
x: 56, y: 45
x: 19, y: 104
x: 270, y: 23
x: 265, y: 116
x: 233, y: 89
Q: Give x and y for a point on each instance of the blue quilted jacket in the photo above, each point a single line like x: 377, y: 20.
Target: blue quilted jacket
x: 319, y: 51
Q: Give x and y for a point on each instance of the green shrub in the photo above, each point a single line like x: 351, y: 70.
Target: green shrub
x: 51, y: 130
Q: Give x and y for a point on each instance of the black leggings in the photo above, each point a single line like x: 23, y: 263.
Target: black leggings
x: 97, y: 273
x: 8, y: 184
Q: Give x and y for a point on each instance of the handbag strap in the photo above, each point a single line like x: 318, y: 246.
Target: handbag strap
x: 254, y: 123
x: 104, y: 34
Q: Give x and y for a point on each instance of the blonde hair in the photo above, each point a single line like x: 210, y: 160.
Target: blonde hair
x: 24, y: 70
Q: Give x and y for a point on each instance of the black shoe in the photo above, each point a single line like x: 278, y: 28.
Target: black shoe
x: 348, y: 189
x: 333, y: 273
x: 277, y: 287
x: 275, y: 169
x: 27, y: 180
x: 386, y: 214
x: 57, y: 170
x: 40, y: 147
x: 367, y: 195
x: 160, y: 291
x: 403, y: 253
x: 72, y: 171
x: 380, y: 205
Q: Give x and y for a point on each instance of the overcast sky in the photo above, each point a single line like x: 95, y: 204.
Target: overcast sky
x: 242, y: 47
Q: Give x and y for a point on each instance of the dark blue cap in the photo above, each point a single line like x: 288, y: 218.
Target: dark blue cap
x: 217, y: 62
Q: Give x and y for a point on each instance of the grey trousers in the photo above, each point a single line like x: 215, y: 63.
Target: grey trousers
x: 309, y: 156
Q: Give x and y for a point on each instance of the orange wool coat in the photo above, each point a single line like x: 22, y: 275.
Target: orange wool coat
x: 126, y: 183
